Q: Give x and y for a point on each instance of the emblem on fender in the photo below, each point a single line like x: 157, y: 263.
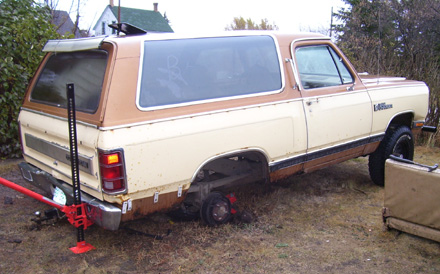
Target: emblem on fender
x: 382, y: 106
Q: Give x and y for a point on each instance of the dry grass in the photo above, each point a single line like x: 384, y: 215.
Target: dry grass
x: 326, y: 221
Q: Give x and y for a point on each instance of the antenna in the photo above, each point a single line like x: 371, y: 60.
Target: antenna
x: 119, y: 16
x: 379, y: 46
x: 331, y: 23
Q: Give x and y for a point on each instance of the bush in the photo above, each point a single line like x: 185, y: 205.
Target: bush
x: 24, y: 29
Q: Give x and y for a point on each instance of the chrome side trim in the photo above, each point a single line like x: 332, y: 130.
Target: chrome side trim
x: 369, y: 87
x: 226, y: 110
x: 201, y: 114
x: 310, y: 156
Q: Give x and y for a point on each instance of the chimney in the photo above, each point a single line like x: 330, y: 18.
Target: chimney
x: 111, y: 3
x: 155, y: 7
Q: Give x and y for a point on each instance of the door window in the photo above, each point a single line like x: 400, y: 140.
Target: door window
x: 320, y: 66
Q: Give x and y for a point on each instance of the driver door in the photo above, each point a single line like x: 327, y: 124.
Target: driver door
x: 336, y: 104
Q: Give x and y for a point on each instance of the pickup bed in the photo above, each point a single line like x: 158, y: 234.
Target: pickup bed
x: 168, y: 122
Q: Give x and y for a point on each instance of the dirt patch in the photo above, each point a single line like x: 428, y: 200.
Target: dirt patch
x: 329, y: 220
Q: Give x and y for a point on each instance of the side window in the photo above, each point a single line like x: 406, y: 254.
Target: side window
x: 188, y: 71
x: 320, y: 66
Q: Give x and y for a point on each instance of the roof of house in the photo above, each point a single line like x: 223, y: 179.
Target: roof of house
x: 61, y: 19
x: 145, y: 19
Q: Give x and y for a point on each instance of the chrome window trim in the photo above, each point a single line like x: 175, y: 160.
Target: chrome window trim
x: 293, y: 50
x: 257, y: 94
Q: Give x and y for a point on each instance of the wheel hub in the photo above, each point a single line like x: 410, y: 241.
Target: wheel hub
x: 220, y: 211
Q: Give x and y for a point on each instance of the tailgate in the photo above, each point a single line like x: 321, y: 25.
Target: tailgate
x: 45, y: 141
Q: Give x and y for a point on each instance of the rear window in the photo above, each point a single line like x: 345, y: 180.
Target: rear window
x: 85, y: 69
x: 176, y: 72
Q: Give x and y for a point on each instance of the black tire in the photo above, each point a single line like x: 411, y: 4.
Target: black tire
x: 216, y: 209
x: 398, y: 142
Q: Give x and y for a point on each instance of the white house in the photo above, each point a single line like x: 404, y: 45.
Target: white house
x: 148, y: 20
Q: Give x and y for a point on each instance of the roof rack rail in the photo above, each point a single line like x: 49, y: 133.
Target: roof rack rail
x: 127, y: 28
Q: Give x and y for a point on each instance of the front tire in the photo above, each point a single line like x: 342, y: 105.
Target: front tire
x: 398, y: 142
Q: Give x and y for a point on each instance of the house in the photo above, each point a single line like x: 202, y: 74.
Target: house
x: 63, y: 23
x: 149, y: 20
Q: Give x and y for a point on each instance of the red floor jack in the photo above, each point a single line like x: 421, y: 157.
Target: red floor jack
x: 76, y: 213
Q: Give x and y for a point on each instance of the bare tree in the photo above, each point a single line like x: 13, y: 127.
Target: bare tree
x: 394, y: 37
x: 239, y: 23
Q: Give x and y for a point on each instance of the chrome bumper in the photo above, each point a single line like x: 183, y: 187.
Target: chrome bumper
x: 101, y: 213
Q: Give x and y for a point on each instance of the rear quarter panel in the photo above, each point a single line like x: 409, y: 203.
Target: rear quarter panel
x: 163, y: 155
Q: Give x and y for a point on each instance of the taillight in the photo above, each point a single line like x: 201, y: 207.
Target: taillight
x: 112, y: 170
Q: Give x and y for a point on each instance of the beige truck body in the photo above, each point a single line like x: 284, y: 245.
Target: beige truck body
x: 170, y: 150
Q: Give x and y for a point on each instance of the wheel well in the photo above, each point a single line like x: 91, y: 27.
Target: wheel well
x: 404, y: 119
x: 231, y: 163
x: 228, y: 171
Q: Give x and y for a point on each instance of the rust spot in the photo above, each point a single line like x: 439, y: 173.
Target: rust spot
x: 285, y: 172
x: 146, y: 206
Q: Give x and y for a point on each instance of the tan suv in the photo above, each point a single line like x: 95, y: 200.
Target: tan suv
x: 167, y: 121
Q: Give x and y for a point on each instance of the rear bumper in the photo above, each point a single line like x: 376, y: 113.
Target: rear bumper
x: 101, y: 213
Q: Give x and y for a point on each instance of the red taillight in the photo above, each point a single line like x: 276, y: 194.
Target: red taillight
x: 111, y: 165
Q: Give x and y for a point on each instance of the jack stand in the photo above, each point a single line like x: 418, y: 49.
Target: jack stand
x: 232, y: 199
x: 80, y: 218
x: 75, y: 214
x: 82, y: 247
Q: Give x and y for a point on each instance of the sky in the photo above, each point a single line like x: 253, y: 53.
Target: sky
x: 210, y: 15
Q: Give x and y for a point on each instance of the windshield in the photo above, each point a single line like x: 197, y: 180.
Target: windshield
x: 85, y: 69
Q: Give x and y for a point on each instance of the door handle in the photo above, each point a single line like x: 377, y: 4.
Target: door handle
x: 310, y: 102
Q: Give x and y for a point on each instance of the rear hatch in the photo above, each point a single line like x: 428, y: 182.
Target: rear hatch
x: 43, y: 117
